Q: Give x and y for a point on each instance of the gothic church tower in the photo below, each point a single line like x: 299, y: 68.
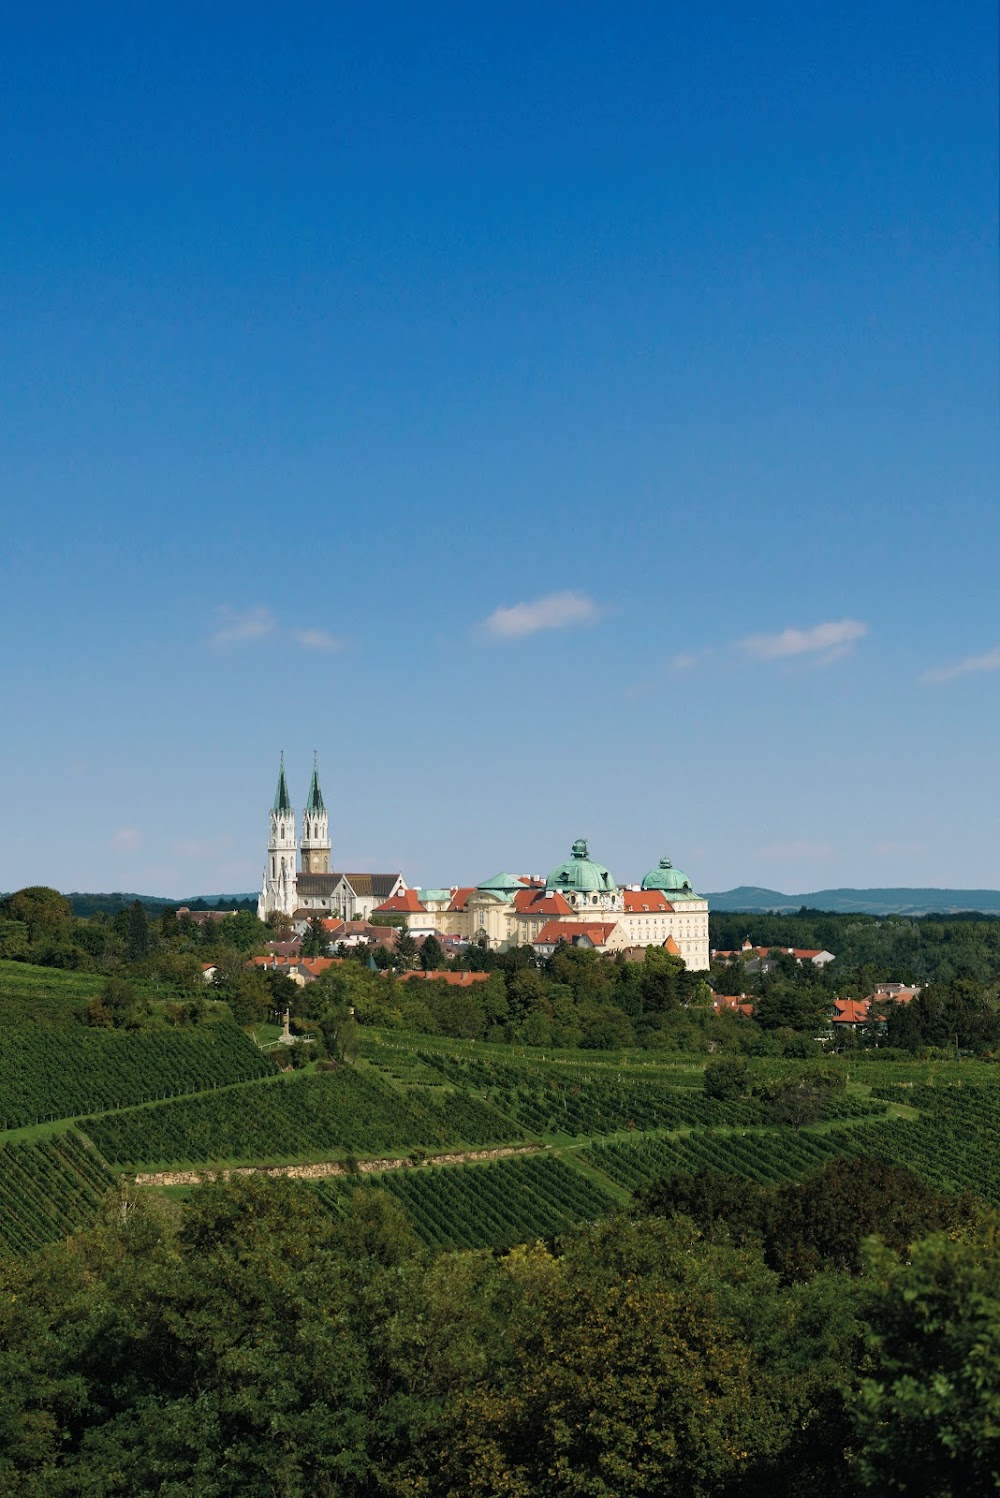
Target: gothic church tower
x: 278, y: 887
x: 315, y: 830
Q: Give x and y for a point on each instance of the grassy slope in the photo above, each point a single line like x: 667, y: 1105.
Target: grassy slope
x: 421, y: 1092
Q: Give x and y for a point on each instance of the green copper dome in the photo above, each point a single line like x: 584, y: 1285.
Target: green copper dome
x: 672, y: 881
x: 580, y: 873
x: 505, y: 886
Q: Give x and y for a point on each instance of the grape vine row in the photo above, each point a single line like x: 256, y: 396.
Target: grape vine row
x: 485, y: 1206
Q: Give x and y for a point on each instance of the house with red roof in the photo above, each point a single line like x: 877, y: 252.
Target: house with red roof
x: 454, y: 980
x: 729, y: 1003
x: 598, y: 936
x: 763, y: 959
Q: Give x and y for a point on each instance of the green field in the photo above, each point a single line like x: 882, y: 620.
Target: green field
x: 296, y: 1118
x: 214, y: 1100
x: 49, y: 1072
x: 767, y: 1156
x: 49, y: 1189
x: 485, y: 1205
x: 44, y: 995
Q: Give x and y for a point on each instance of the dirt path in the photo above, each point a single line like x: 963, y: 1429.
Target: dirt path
x: 324, y: 1168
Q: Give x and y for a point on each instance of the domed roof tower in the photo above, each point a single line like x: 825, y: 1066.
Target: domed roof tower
x: 674, y: 883
x: 583, y: 881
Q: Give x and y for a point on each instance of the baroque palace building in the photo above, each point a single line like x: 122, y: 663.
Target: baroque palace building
x: 579, y: 903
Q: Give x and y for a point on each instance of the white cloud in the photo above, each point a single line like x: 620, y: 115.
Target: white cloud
x: 316, y: 639
x: 826, y: 642
x: 974, y: 663
x: 554, y: 611
x: 236, y: 627
x: 126, y: 839
x: 687, y: 660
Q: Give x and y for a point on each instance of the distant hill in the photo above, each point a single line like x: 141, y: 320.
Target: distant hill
x: 84, y: 904
x: 756, y: 900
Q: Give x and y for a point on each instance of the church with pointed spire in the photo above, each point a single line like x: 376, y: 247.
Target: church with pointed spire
x: 298, y: 879
x: 315, y: 829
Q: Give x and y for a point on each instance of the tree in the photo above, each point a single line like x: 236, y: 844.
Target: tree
x: 341, y: 1034
x: 605, y: 1027
x: 431, y: 955
x: 660, y: 981
x: 242, y: 931
x: 137, y: 937
x: 279, y: 923
x: 247, y: 994
x: 926, y: 1417
x: 119, y: 1000
x: 45, y: 912
x: 729, y: 1077
x: 315, y: 942
x: 404, y: 952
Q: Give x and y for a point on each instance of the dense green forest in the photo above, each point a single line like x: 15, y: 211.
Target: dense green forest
x: 714, y: 1342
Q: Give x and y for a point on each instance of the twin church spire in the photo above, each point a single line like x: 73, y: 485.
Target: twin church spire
x: 278, y: 889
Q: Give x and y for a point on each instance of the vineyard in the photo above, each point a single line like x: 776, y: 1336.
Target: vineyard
x: 48, y: 1190
x: 552, y: 1104
x: 306, y: 1116
x: 44, y: 995
x: 57, y: 1073
x: 955, y: 1144
x: 486, y: 1206
x: 207, y: 1097
x: 765, y: 1157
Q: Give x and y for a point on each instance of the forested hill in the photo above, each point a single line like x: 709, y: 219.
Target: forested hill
x: 747, y: 897
x: 84, y: 904
x: 751, y: 897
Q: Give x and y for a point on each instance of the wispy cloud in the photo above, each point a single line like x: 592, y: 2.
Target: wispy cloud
x: 241, y: 627
x: 554, y: 611
x: 825, y: 642
x: 316, y: 639
x: 126, y: 839
x: 972, y: 664
x: 687, y: 660
x: 236, y: 627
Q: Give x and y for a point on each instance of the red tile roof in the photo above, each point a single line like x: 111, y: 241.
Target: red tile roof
x: 851, y: 1011
x: 457, y: 980
x: 893, y: 995
x: 539, y: 901
x: 404, y: 904
x: 638, y: 900
x: 569, y: 931
x: 460, y: 897
x: 317, y: 965
x: 672, y: 947
x: 732, y: 1003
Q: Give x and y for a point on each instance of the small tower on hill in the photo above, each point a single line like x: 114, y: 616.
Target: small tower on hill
x: 315, y: 829
x: 278, y: 887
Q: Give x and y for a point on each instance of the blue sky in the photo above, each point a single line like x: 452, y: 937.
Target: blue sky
x: 570, y: 420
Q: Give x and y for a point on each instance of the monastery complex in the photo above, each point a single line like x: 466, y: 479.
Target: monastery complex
x: 579, y: 902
